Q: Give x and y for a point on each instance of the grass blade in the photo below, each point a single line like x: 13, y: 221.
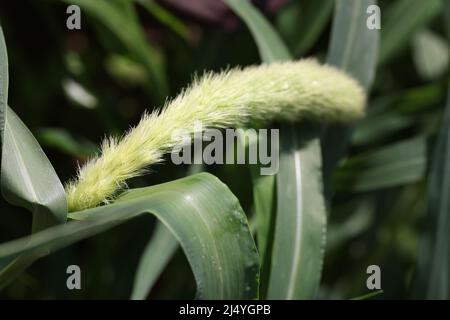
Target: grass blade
x: 165, y: 17
x: 397, y: 164
x: 301, y: 23
x: 432, y: 271
x: 202, y: 214
x: 290, y: 279
x: 317, y: 14
x: 162, y: 245
x: 299, y: 238
x: 65, y: 142
x: 401, y: 20
x: 155, y: 257
x: 270, y: 46
x: 27, y: 177
x: 368, y: 295
x: 353, y: 48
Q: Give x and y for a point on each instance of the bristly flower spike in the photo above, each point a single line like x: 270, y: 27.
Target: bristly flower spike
x: 234, y: 98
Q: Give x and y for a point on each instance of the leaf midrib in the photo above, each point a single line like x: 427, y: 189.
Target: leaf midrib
x: 298, y: 219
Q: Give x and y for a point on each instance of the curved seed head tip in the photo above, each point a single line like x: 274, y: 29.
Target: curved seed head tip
x: 233, y: 98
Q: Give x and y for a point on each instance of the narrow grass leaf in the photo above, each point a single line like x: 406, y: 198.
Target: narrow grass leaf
x: 316, y: 16
x: 270, y: 46
x: 368, y: 295
x: 402, y: 19
x: 64, y: 141
x: 301, y: 23
x: 398, y: 164
x: 299, y: 240
x: 377, y: 127
x: 298, y: 278
x: 165, y: 17
x: 27, y: 177
x: 156, y: 255
x: 163, y: 245
x: 433, y: 265
x: 353, y: 48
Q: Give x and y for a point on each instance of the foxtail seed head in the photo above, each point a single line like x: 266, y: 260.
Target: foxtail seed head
x: 233, y: 98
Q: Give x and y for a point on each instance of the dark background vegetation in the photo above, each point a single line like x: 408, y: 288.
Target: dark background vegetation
x: 380, y: 224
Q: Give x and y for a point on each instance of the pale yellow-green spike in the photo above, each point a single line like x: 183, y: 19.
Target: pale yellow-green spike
x: 233, y: 98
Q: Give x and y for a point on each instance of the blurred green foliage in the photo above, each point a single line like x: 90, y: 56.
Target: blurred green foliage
x: 73, y: 87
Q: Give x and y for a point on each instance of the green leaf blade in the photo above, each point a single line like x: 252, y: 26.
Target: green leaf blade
x: 162, y: 245
x: 433, y: 264
x: 28, y: 179
x: 401, y: 20
x: 299, y: 240
x: 202, y: 214
x: 271, y: 47
x: 397, y: 164
x: 297, y: 278
x: 353, y: 48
